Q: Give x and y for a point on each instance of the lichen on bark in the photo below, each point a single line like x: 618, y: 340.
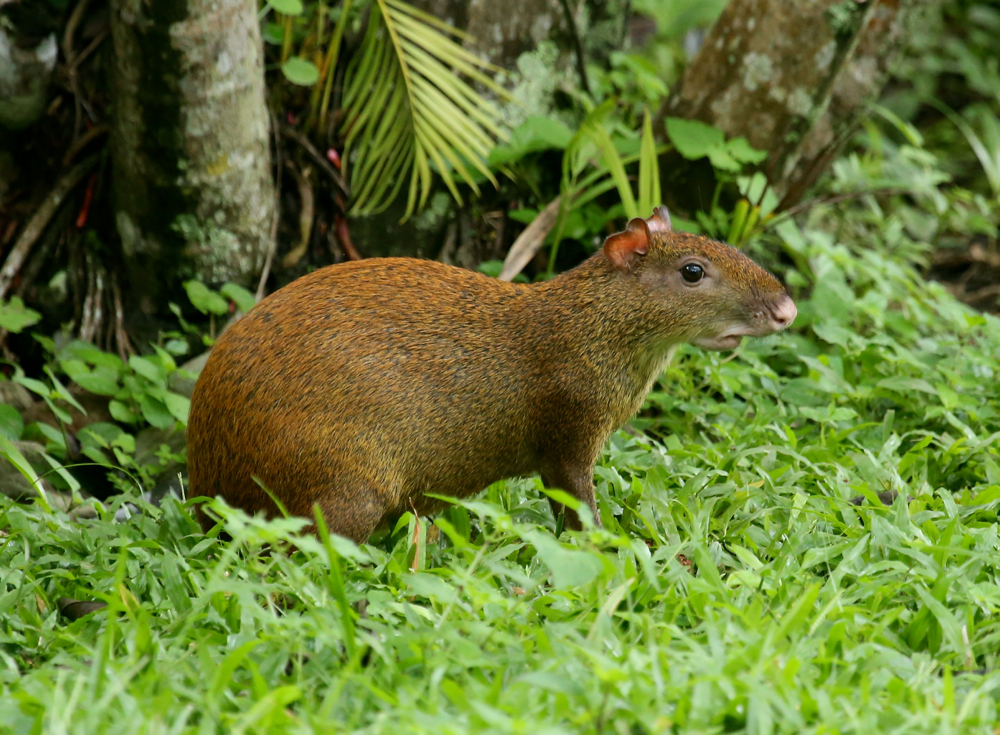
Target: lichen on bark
x: 769, y: 68
x: 192, y: 170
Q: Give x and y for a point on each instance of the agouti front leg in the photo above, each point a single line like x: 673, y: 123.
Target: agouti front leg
x: 576, y: 482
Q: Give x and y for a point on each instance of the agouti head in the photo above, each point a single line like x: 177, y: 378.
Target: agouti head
x: 698, y: 290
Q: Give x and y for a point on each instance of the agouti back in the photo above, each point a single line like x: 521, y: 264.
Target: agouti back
x: 364, y: 386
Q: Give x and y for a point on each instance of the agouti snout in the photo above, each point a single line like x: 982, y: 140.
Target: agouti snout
x: 367, y: 385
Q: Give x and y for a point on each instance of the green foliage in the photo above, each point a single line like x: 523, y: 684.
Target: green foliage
x: 694, y: 140
x: 533, y: 135
x: 138, y: 388
x: 15, y: 316
x: 208, y: 301
x: 300, y: 71
x: 674, y: 18
x: 139, y: 393
x: 985, y: 144
x: 408, y: 110
x: 287, y: 7
x: 734, y: 587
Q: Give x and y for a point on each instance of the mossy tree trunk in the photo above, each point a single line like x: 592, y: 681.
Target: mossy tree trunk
x: 190, y: 144
x: 791, y: 77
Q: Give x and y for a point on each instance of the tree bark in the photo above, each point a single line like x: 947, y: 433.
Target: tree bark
x: 791, y: 77
x: 859, y: 82
x: 190, y: 143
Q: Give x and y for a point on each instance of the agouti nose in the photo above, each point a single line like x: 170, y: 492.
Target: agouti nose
x: 783, y: 312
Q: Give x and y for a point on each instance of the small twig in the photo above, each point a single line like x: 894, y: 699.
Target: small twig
x: 8, y: 234
x: 981, y: 294
x: 71, y: 24
x: 344, y: 237
x: 98, y: 39
x: 93, y: 304
x: 88, y: 199
x: 121, y: 335
x: 83, y: 141
x: 501, y: 227
x: 581, y: 65
x: 450, y: 242
x: 41, y: 256
x: 530, y: 241
x: 306, y: 211
x: 976, y: 254
x: 74, y: 20
x: 343, y: 233
x: 35, y: 227
x: 289, y: 132
x: 276, y: 217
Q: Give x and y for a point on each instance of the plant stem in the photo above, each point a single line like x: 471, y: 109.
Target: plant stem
x: 332, y: 54
x: 286, y: 41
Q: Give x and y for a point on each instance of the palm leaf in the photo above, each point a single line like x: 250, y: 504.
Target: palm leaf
x: 649, y: 173
x: 592, y: 147
x: 409, y: 108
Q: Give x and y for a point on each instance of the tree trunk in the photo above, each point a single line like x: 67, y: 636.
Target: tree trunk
x: 28, y: 54
x: 190, y: 143
x: 859, y: 82
x: 791, y: 77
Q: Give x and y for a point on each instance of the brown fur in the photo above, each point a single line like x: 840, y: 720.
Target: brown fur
x: 365, y: 385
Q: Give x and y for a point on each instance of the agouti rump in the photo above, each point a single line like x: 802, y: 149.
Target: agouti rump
x: 366, y: 385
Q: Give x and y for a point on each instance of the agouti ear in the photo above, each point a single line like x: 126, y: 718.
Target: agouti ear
x: 660, y: 221
x: 624, y: 249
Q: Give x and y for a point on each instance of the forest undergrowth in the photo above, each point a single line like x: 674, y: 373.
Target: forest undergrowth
x: 799, y: 537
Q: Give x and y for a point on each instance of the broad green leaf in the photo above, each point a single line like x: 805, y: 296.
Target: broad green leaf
x: 244, y: 300
x: 101, y: 381
x: 147, y: 369
x: 205, y: 300
x: 14, y: 455
x: 533, y: 135
x: 91, y: 355
x: 740, y: 149
x: 300, y: 71
x: 15, y: 316
x: 178, y: 405
x: 156, y: 413
x: 120, y: 412
x: 170, y: 576
x: 569, y: 567
x: 287, y: 7
x: 721, y: 158
x: 100, y: 434
x: 11, y: 422
x: 693, y: 138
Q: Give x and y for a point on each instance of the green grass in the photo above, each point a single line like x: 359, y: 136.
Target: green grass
x: 734, y: 588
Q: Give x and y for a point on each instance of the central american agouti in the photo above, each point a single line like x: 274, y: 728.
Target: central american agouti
x: 364, y: 386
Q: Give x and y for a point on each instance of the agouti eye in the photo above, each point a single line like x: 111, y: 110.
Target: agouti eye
x: 692, y: 273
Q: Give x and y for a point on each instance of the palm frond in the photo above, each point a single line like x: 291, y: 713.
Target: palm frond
x: 410, y: 111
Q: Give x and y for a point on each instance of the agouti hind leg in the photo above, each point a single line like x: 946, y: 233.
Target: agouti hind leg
x: 579, y: 484
x: 355, y: 515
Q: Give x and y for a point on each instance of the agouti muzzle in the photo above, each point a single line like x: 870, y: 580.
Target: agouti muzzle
x: 366, y: 385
